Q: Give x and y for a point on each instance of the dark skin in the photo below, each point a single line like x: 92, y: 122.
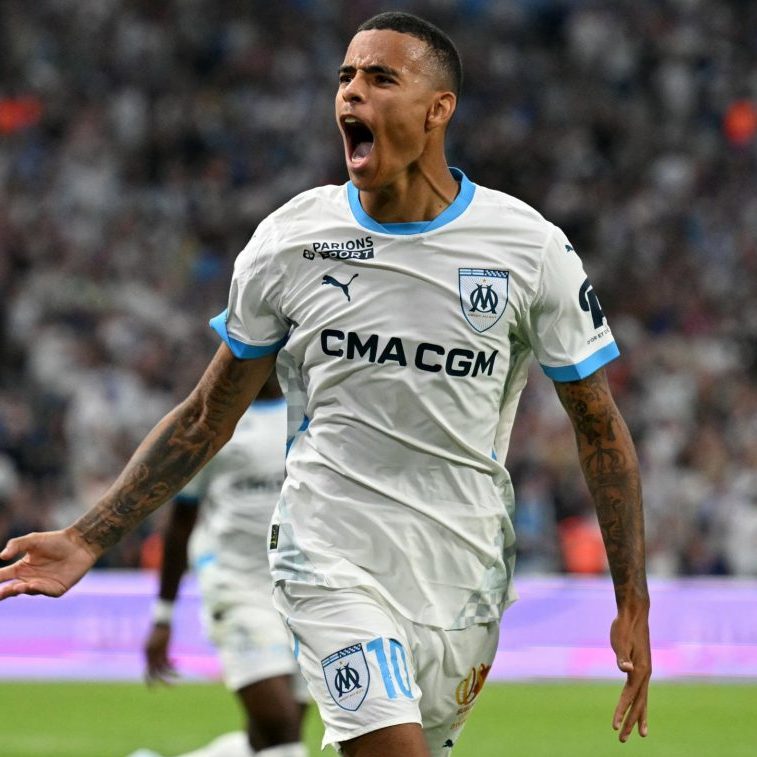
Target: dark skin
x: 181, y: 523
x: 611, y: 469
x: 389, y: 82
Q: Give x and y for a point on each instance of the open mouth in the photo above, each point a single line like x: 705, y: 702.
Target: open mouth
x: 359, y: 139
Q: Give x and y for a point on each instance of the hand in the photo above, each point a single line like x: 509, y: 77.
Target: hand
x: 629, y: 637
x: 53, y: 563
x: 160, y: 669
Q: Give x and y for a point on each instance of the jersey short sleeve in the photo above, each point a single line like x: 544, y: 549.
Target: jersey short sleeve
x: 252, y: 324
x: 566, y: 326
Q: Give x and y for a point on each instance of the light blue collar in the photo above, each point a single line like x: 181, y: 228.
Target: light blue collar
x: 450, y: 213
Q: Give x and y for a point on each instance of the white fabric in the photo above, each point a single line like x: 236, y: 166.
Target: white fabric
x: 236, y: 492
x: 252, y: 641
x: 284, y: 750
x: 234, y: 744
x: 396, y: 671
x: 238, y: 489
x: 407, y: 359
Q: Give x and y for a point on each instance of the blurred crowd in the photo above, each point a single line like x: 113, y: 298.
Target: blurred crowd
x: 141, y: 143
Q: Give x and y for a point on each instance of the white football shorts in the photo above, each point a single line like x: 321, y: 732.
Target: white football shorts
x: 252, y: 641
x: 368, y: 667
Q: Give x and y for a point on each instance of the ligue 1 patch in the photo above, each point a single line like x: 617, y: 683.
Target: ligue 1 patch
x: 274, y: 542
x: 347, y: 676
x: 483, y: 295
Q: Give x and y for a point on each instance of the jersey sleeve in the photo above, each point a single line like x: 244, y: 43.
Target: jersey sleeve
x: 566, y: 326
x: 252, y: 324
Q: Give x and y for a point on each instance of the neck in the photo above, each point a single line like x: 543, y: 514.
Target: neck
x: 420, y: 194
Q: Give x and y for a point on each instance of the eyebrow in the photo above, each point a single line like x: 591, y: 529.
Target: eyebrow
x: 375, y: 69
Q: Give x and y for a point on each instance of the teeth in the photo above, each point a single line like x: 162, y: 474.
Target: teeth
x: 350, y: 120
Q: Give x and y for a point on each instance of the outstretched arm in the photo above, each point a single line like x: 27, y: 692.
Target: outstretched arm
x: 611, y: 469
x: 179, y: 445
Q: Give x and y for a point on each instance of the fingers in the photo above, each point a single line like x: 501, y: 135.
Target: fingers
x: 16, y: 546
x: 164, y: 673
x: 642, y: 726
x: 157, y: 667
x: 32, y: 586
x: 627, y: 697
x: 12, y: 589
x: 629, y: 636
x: 160, y: 668
x: 8, y: 572
x: 632, y: 708
x: 636, y: 717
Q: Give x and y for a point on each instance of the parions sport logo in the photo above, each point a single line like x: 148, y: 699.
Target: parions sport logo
x: 351, y: 249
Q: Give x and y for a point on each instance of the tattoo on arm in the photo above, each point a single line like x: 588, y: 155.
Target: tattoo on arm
x: 179, y: 445
x: 611, y: 469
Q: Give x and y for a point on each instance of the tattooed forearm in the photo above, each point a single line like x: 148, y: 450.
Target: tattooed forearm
x: 162, y: 465
x: 611, y: 469
x: 175, y: 449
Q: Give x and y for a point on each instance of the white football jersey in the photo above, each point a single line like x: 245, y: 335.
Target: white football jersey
x: 403, y: 349
x: 237, y: 491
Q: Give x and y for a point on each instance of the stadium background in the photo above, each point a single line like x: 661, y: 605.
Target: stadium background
x: 141, y: 142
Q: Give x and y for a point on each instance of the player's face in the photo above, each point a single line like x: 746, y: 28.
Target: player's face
x: 386, y: 88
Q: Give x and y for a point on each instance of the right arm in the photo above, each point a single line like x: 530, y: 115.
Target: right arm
x: 176, y: 448
x: 179, y: 445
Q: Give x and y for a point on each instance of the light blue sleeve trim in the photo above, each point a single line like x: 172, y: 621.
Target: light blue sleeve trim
x: 303, y: 427
x: 450, y: 213
x: 204, y: 560
x: 585, y: 367
x: 240, y: 349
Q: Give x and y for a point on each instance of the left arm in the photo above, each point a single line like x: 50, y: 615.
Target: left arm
x: 611, y: 469
x: 176, y: 536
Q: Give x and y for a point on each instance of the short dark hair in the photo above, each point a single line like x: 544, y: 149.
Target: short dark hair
x: 441, y: 47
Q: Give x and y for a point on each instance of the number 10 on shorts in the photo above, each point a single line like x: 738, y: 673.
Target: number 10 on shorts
x: 392, y: 663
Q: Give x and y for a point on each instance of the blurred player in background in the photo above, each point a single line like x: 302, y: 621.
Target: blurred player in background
x: 221, y: 518
x: 403, y: 307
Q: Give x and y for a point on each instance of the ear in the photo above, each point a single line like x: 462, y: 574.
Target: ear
x: 441, y: 110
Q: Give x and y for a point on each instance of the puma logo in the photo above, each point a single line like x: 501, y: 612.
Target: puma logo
x: 344, y: 287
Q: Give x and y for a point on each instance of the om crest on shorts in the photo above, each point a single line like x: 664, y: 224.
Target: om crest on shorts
x: 347, y: 676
